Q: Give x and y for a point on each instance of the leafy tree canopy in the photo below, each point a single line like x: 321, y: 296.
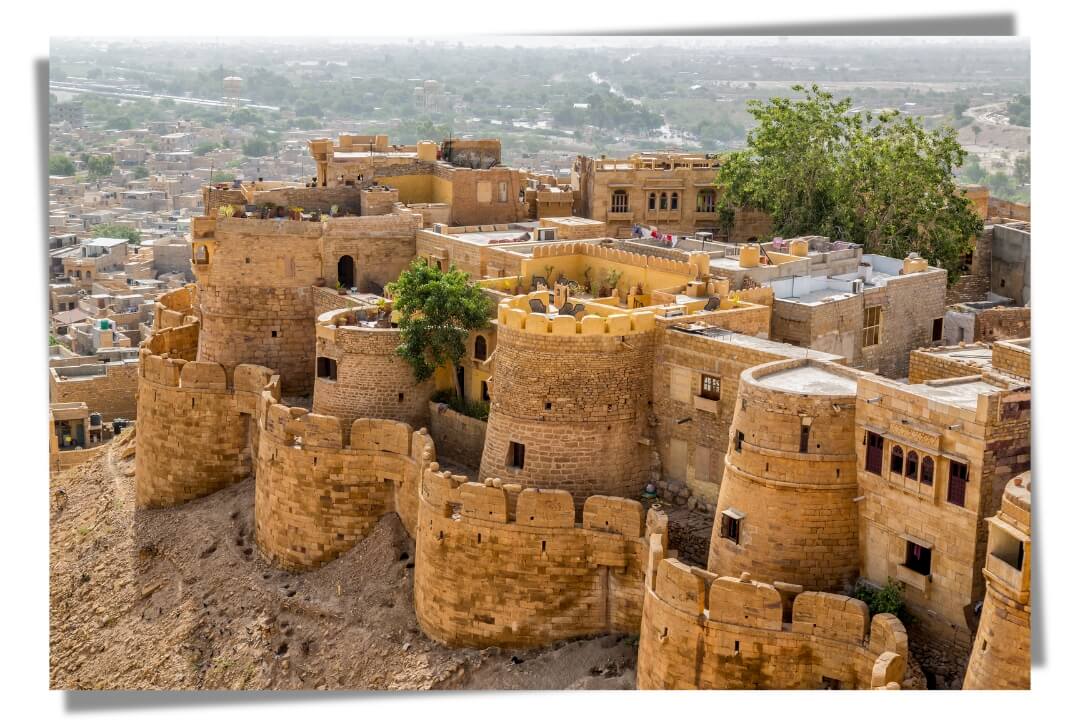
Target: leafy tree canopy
x: 141, y: 172
x: 99, y: 166
x: 437, y: 312
x: 112, y: 230
x: 61, y: 165
x: 257, y: 147
x: 884, y: 181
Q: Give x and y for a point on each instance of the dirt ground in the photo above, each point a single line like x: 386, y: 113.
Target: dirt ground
x: 180, y: 599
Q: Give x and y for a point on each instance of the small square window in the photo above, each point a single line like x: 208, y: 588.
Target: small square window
x: 273, y: 333
x: 326, y: 368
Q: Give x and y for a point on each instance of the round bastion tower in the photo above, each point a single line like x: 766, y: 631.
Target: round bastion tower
x: 569, y: 401
x: 785, y: 510
x: 255, y: 299
x: 358, y: 374
x: 1001, y: 654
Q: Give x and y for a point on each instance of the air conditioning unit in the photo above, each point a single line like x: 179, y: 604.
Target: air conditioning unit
x: 439, y: 228
x: 545, y: 234
x: 856, y: 286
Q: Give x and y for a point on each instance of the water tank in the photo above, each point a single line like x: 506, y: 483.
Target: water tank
x: 104, y: 325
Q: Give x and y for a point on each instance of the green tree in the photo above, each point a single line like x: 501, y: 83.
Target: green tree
x: 61, y: 165
x: 99, y: 166
x: 1022, y: 169
x: 204, y: 147
x: 437, y: 312
x: 112, y: 230
x: 883, y: 180
x: 257, y: 147
x: 120, y: 122
x: 141, y: 172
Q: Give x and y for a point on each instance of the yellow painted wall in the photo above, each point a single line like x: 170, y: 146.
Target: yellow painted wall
x: 420, y: 188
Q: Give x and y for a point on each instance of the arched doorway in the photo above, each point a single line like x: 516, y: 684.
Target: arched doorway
x: 346, y: 271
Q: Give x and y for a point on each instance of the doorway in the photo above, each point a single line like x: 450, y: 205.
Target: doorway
x: 346, y: 271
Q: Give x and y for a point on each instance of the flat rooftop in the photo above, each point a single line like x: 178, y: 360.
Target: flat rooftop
x: 358, y: 154
x: 961, y: 394
x: 811, y: 380
x: 752, y: 342
x: 976, y: 355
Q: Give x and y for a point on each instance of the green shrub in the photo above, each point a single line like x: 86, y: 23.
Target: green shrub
x: 887, y: 599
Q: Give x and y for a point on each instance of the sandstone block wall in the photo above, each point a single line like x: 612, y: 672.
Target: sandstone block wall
x: 1013, y: 358
x: 459, y: 438
x: 930, y: 364
x: 800, y: 522
x: 194, y: 429
x: 318, y: 490
x: 381, y: 246
x: 993, y: 440
x: 703, y: 631
x: 576, y: 401
x: 498, y: 565
x: 372, y: 381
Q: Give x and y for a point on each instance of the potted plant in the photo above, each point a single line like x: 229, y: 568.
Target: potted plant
x: 333, y: 211
x: 341, y: 290
x: 226, y: 210
x: 296, y: 213
x: 280, y: 211
x: 320, y: 282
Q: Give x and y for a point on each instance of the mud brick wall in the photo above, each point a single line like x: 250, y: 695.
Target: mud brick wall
x: 372, y: 381
x: 511, y: 568
x: 801, y: 521
x: 576, y: 401
x: 459, y: 438
x: 703, y: 631
x: 112, y: 394
x: 318, y: 492
x: 1001, y: 656
x: 195, y: 433
x: 910, y: 304
x: 1003, y: 323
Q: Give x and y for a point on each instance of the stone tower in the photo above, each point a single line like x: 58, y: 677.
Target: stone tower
x: 569, y: 401
x: 1001, y: 656
x: 785, y: 510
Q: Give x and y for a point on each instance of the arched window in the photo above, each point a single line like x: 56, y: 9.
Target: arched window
x: 926, y: 477
x: 346, y: 271
x: 674, y: 201
x: 652, y: 201
x: 912, y: 465
x: 480, y: 348
x: 896, y: 460
x: 620, y: 201
x: 706, y: 201
x: 201, y: 257
x: 663, y: 201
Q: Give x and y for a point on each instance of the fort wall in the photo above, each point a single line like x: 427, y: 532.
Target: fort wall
x: 789, y: 478
x: 321, y: 484
x: 499, y: 565
x: 703, y: 631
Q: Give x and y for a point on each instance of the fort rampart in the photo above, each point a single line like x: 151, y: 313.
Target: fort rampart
x: 321, y: 483
x: 500, y: 565
x: 702, y: 631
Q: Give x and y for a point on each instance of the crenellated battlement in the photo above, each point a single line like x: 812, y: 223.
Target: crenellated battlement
x: 692, y: 268
x: 501, y: 565
x: 701, y: 630
x: 514, y: 314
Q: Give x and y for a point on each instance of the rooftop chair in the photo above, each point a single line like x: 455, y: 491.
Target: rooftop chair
x: 568, y: 308
x: 712, y: 304
x: 537, y: 306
